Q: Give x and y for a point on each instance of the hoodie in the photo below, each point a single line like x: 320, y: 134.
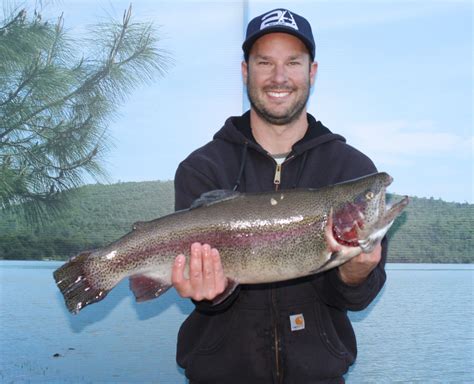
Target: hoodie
x: 295, y: 331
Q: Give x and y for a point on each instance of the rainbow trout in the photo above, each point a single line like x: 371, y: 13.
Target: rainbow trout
x: 261, y: 237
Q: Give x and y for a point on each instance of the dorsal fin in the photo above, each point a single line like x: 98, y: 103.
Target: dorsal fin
x: 212, y: 197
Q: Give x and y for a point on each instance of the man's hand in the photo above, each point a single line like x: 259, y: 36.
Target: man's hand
x: 356, y: 270
x: 206, y: 275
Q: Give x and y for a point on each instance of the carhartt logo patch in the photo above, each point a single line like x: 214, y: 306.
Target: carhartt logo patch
x: 297, y: 322
x: 278, y: 17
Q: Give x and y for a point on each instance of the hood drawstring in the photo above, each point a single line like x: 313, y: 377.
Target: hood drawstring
x: 242, y: 166
x: 300, y: 169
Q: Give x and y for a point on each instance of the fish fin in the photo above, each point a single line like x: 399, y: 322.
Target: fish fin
x: 231, y: 285
x: 147, y: 287
x: 211, y: 197
x: 76, y: 284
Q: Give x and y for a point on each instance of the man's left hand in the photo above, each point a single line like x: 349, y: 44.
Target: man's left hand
x: 356, y: 270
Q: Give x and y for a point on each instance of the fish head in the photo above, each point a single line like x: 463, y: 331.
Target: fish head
x: 361, y: 218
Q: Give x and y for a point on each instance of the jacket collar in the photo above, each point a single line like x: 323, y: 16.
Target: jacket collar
x: 237, y: 129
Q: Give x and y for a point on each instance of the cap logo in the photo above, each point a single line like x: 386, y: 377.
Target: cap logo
x: 278, y: 17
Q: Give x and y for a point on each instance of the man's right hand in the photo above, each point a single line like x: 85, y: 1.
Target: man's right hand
x: 206, y: 276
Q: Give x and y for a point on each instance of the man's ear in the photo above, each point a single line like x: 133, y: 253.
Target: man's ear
x: 245, y: 71
x: 312, y: 72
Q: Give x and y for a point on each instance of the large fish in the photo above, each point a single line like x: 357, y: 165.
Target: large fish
x: 261, y: 237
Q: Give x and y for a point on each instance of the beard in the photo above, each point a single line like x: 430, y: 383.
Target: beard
x: 287, y: 116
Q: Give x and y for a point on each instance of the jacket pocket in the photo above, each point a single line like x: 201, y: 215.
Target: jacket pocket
x: 313, y: 350
x: 215, y: 332
x: 229, y: 347
x: 202, y: 333
x: 335, y: 331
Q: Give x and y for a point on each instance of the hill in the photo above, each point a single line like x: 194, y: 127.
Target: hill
x: 429, y: 231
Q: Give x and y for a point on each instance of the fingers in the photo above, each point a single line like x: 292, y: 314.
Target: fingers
x: 220, y: 280
x: 206, y: 275
x: 208, y: 278
x: 195, y: 270
x: 356, y: 270
x: 373, y: 257
x: 180, y: 283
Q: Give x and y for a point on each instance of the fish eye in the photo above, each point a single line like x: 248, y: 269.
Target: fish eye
x: 369, y: 195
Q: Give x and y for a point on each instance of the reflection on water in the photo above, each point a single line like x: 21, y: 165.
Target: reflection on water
x: 419, y: 329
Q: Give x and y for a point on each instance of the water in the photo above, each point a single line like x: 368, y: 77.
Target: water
x: 419, y: 330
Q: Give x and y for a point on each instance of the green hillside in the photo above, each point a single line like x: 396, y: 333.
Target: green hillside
x: 96, y: 215
x: 429, y: 231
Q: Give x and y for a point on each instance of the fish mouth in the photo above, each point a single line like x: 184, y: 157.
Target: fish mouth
x: 393, y: 210
x: 352, y: 225
x: 369, y: 237
x: 385, y: 213
x: 388, y: 181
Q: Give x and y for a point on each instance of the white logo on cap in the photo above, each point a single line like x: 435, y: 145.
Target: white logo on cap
x: 278, y: 17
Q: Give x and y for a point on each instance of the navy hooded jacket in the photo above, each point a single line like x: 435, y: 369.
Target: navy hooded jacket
x: 248, y: 337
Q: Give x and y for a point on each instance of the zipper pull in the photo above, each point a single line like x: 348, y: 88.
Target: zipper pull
x: 277, y: 178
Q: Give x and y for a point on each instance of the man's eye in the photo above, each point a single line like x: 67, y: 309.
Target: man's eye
x: 263, y: 62
x: 294, y: 63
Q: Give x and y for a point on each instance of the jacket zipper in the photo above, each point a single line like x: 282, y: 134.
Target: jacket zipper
x: 277, y: 178
x: 276, y: 336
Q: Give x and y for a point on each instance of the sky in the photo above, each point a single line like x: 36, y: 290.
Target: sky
x: 395, y: 78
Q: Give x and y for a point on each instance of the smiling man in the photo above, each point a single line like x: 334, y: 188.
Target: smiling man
x: 278, y: 75
x: 295, y: 331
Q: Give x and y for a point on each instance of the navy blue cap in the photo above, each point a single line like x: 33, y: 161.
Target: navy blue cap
x: 279, y: 20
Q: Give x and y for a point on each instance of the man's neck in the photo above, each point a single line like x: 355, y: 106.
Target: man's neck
x: 278, y: 138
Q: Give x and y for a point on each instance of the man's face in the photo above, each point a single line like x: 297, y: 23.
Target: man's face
x: 278, y: 75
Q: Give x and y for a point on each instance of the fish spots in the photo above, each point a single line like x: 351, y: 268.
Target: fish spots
x: 260, y: 223
x: 111, y: 255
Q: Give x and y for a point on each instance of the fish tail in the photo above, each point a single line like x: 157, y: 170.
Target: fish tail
x: 75, y: 283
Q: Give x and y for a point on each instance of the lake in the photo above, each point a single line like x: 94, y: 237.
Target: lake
x: 419, y: 330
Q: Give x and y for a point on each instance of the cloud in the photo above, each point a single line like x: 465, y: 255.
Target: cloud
x: 403, y: 142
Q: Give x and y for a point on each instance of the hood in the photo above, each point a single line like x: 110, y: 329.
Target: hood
x: 237, y: 130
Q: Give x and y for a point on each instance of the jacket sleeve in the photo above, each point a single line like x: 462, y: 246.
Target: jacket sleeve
x: 189, y: 184
x: 334, y: 292
x: 330, y: 288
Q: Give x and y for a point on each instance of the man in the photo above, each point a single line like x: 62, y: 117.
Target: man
x: 289, y: 332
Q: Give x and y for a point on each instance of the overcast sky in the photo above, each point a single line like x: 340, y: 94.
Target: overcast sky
x: 394, y: 78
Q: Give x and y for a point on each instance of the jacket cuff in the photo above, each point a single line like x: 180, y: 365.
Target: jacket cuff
x: 206, y: 306
x: 357, y: 297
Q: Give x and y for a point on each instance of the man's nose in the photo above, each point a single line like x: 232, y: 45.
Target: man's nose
x: 280, y: 73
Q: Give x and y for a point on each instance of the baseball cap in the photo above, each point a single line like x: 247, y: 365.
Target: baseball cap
x: 279, y: 20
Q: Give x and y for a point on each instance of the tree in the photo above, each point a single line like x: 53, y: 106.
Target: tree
x: 55, y: 106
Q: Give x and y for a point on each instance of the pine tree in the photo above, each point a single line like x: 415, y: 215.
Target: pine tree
x: 55, y: 105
